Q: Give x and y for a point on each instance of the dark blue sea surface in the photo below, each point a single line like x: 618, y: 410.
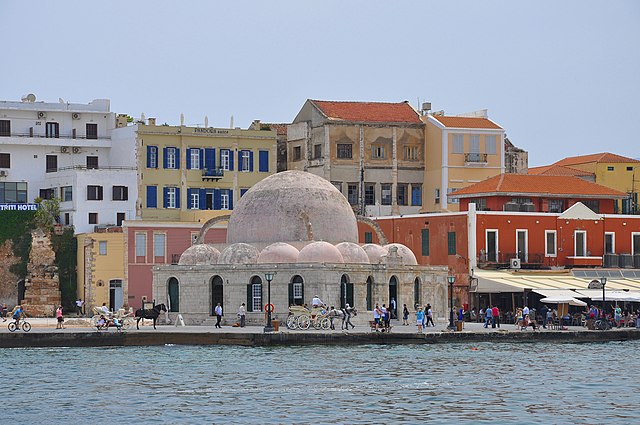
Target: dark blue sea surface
x: 447, y: 383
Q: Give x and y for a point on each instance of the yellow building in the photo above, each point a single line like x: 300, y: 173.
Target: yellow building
x: 610, y: 170
x: 460, y: 150
x: 194, y: 173
x: 101, y: 268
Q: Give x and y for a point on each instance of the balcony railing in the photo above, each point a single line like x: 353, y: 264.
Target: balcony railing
x: 84, y: 167
x: 212, y: 173
x: 59, y: 136
x: 479, y: 158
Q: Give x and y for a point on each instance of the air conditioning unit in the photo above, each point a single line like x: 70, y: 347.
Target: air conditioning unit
x: 75, y: 116
x: 3, y: 173
x: 42, y: 115
x: 76, y: 149
x: 64, y: 149
x: 514, y: 263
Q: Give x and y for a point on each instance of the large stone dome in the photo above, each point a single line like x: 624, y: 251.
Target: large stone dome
x: 278, y: 252
x: 353, y: 253
x: 200, y: 254
x: 292, y: 206
x: 320, y: 252
x: 239, y: 253
x: 407, y: 255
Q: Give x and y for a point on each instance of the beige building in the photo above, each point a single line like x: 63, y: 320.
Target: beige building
x: 372, y: 152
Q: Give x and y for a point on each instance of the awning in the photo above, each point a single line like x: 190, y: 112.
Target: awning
x: 596, y: 295
x: 563, y: 300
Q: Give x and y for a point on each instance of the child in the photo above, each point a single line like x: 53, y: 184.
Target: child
x: 60, y: 324
x: 419, y: 319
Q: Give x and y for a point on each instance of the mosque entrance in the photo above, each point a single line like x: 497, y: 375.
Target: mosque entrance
x: 174, y: 295
x: 393, y: 295
x: 217, y: 292
x: 346, y: 292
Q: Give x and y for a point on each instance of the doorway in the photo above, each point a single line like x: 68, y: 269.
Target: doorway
x: 346, y: 292
x: 393, y: 294
x: 492, y: 246
x: 521, y: 245
x: 174, y: 295
x: 115, y: 294
x: 217, y: 293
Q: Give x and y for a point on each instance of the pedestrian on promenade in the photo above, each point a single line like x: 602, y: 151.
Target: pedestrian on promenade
x: 495, y: 314
x: 488, y: 314
x: 481, y: 317
x: 543, y: 314
x: 419, y: 318
x: 385, y: 317
x: 60, y: 324
x: 79, y: 304
x: 405, y: 316
x: 347, y: 312
x: 242, y: 313
x: 430, y: 316
x: 377, y: 313
x: 4, y: 312
x: 333, y: 313
x: 392, y: 306
x: 218, y: 315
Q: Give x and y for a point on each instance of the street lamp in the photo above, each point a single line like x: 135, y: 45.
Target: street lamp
x: 451, y: 280
x: 269, y: 277
x: 603, y: 280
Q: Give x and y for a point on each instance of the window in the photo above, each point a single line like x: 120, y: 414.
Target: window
x: 296, y: 291
x: 194, y: 159
x: 491, y: 245
x: 152, y: 196
x: 102, y: 248
x: 171, y: 197
x: 437, y: 196
x: 368, y: 237
x: 629, y: 168
x: 120, y: 193
x: 195, y: 199
x: 224, y: 199
x: 52, y: 129
x: 377, y: 152
x: 51, y: 163
x: 344, y: 151
x: 458, y: 143
x: 401, y: 192
x: 449, y: 199
x: 451, y: 243
x: 92, y: 162
x: 171, y: 158
x: 5, y: 160
x: 550, y: 246
x: 225, y: 159
x: 67, y: 219
x: 411, y: 153
x: 141, y: 245
x: 556, y: 205
x: 92, y: 131
x: 490, y: 145
x: 338, y: 185
x: 352, y: 193
x: 635, y: 243
x: 416, y: 194
x: 416, y: 292
x: 120, y: 217
x: 5, y: 128
x: 66, y: 193
x: 609, y: 243
x: 370, y: 193
x: 474, y: 143
x: 263, y: 166
x: 369, y: 293
x: 386, y: 194
x: 159, y: 242
x: 47, y: 193
x: 244, y: 160
x: 152, y: 157
x: 317, y: 151
x: 13, y: 192
x: 93, y: 218
x: 580, y: 243
x: 94, y: 193
x: 610, y: 168
x: 592, y: 204
x: 254, y: 294
x: 297, y: 153
x: 425, y: 242
x: 481, y: 203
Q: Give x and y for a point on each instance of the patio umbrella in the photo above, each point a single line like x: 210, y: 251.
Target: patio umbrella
x: 563, y: 300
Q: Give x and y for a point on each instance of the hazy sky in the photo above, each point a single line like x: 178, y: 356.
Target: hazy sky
x: 562, y: 77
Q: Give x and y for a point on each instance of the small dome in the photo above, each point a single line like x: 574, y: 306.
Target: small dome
x: 407, y: 255
x: 375, y: 252
x: 353, y: 253
x: 239, y: 253
x: 278, y: 252
x: 198, y: 255
x: 320, y: 252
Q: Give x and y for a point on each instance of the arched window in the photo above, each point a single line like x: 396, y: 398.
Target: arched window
x: 174, y: 295
x: 417, y: 292
x: 369, y: 293
x: 217, y: 293
x: 346, y: 292
x: 254, y: 294
x: 296, y: 291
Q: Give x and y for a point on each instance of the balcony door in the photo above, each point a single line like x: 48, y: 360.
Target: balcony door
x: 522, y: 242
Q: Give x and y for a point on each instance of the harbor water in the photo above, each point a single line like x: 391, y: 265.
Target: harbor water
x: 465, y: 383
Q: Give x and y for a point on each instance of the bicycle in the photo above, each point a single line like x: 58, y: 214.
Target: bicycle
x: 15, y: 325
x: 602, y: 325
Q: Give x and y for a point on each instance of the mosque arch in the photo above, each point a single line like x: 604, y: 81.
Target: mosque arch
x: 254, y: 294
x: 173, y: 289
x: 296, y: 290
x: 217, y: 293
x: 208, y: 225
x: 382, y: 238
x: 346, y: 291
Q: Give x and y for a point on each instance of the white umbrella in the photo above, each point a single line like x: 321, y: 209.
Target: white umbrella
x: 563, y: 300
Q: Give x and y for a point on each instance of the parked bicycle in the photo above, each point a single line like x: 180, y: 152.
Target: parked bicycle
x: 15, y: 325
x: 602, y: 324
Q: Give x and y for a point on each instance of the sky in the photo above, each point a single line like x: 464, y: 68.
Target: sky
x: 561, y: 77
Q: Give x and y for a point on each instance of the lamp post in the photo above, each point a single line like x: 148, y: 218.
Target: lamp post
x: 269, y: 277
x: 603, y: 280
x: 451, y: 280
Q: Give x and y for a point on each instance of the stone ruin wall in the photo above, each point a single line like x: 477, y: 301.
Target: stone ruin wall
x: 8, y: 280
x: 42, y: 284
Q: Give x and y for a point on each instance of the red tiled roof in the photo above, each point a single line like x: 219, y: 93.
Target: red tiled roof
x: 538, y: 185
x: 466, y: 122
x: 557, y: 170
x: 281, y: 129
x: 604, y: 157
x: 368, y: 111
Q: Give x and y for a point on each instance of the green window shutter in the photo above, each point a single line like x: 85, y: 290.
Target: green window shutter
x: 451, y: 243
x: 368, y: 237
x: 249, y: 298
x: 369, y: 296
x: 291, y: 294
x: 425, y: 242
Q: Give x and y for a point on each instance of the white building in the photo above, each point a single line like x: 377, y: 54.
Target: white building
x: 65, y: 150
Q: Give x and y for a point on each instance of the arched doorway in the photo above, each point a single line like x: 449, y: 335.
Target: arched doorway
x: 296, y: 291
x: 417, y: 292
x: 346, y: 292
x: 393, y: 294
x: 370, y: 293
x: 254, y: 294
x: 174, y: 295
x: 217, y: 293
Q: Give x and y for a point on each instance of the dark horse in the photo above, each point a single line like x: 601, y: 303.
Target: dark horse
x: 152, y: 313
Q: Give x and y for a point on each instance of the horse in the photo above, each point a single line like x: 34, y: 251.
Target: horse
x: 149, y: 314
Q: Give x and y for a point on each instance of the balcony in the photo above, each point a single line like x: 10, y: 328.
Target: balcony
x: 72, y: 135
x: 212, y: 174
x: 476, y: 159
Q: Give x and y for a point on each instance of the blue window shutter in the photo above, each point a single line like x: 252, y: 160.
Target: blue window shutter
x: 189, y: 192
x: 201, y: 159
x: 188, y: 159
x: 230, y: 199
x: 231, y: 155
x: 242, y: 192
x: 210, y: 160
x: 177, y: 151
x: 216, y: 199
x: 149, y: 153
x: 264, y: 161
x: 164, y: 158
x: 250, y: 160
x: 165, y: 196
x: 178, y: 197
x: 152, y: 196
x: 203, y: 199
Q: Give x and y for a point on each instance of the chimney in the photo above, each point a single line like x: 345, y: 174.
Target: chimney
x: 152, y: 121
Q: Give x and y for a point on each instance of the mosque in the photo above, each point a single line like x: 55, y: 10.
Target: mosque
x: 300, y: 229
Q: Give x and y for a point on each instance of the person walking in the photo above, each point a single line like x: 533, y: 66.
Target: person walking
x: 242, y: 313
x: 392, y: 306
x: 333, y: 313
x: 488, y: 314
x: 405, y: 315
x: 430, y: 316
x: 79, y: 304
x: 60, y: 324
x: 377, y: 313
x: 218, y: 315
x: 543, y: 314
x: 419, y: 319
x: 346, y: 318
x: 495, y: 316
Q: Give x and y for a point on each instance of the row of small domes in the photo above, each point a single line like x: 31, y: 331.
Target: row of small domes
x: 280, y: 252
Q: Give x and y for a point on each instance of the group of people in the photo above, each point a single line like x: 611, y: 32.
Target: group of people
x: 382, y: 318
x: 490, y: 316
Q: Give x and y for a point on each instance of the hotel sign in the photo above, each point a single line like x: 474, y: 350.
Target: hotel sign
x: 18, y: 207
x: 210, y: 130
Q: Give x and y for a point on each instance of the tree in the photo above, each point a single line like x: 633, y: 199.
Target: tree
x: 48, y: 213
